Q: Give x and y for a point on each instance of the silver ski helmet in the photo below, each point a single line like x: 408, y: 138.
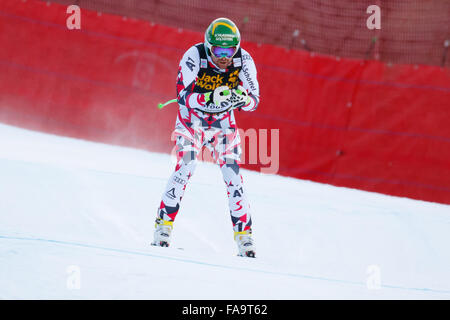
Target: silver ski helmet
x: 223, y: 33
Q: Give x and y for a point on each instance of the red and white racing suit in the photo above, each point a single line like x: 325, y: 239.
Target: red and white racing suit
x: 196, y: 127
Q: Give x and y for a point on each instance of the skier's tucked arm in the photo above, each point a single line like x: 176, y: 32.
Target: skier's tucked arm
x: 187, y: 75
x: 249, y: 81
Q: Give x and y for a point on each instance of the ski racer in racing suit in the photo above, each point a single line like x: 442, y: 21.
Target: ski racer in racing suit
x: 214, y: 79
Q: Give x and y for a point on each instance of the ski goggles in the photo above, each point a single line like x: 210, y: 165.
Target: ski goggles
x: 220, y: 52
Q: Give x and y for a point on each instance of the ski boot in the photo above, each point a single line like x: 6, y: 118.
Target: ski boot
x: 245, y: 243
x: 163, y: 230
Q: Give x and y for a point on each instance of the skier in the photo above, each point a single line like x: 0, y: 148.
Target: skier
x: 214, y: 78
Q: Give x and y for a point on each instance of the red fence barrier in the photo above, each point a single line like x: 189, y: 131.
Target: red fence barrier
x: 361, y: 124
x: 412, y: 31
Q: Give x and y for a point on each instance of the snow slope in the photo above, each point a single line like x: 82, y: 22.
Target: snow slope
x: 76, y: 221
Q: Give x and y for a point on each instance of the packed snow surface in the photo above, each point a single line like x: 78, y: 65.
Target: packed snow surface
x: 77, y: 219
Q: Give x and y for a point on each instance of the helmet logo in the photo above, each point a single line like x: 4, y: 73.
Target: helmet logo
x: 224, y: 37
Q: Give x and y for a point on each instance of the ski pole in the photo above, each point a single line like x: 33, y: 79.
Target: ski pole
x: 162, y: 105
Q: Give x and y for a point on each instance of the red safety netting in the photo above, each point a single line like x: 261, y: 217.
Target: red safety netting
x: 412, y: 31
x: 348, y: 122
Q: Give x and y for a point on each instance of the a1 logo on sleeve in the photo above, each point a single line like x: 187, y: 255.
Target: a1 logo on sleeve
x: 190, y: 63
